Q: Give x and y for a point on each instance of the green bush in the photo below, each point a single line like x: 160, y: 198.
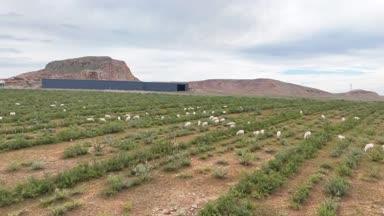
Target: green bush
x: 376, y: 153
x: 337, y: 187
x: 328, y: 208
x: 75, y: 150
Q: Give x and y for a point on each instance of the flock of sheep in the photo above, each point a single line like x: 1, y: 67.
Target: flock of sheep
x: 213, y: 119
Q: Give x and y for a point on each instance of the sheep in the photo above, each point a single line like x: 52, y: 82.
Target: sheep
x: 262, y: 131
x: 17, y: 104
x: 107, y: 116
x: 356, y: 118
x: 301, y: 112
x: 216, y: 121
x: 90, y: 119
x: 231, y: 123
x: 232, y: 126
x: 248, y: 122
x: 204, y: 124
x: 1, y: 118
x: 222, y: 120
x: 102, y: 119
x: 178, y: 115
x: 118, y: 118
x: 256, y: 133
x: 194, y: 113
x: 64, y: 110
x: 62, y: 105
x: 340, y: 137
x: 343, y: 119
x: 307, y: 134
x: 368, y: 146
x: 53, y: 105
x: 187, y: 113
x: 127, y: 117
x: 162, y: 117
x: 224, y: 112
x: 198, y: 123
x: 278, y: 134
x: 185, y: 108
x: 213, y: 112
x: 84, y: 107
x: 323, y: 116
x: 240, y: 132
x: 187, y: 124
x: 204, y: 112
x: 136, y: 117
x: 12, y: 113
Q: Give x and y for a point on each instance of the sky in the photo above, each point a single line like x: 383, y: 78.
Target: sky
x: 326, y: 44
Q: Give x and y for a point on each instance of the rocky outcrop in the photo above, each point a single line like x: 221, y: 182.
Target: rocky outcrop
x: 91, y: 67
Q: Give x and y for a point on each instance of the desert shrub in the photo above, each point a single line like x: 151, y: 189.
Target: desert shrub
x: 37, y: 165
x: 245, y: 158
x: 328, y: 208
x: 343, y: 170
x: 302, y: 192
x: 115, y: 184
x: 376, y: 153
x: 337, y: 187
x: 220, y: 173
x: 142, y: 171
x: 13, y: 166
x: 75, y: 150
x: 64, y: 208
x: 176, y: 162
x: 227, y: 205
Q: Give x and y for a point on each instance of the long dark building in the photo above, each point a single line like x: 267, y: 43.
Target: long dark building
x: 114, y: 85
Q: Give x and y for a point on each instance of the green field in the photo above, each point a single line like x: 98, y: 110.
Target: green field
x: 104, y: 153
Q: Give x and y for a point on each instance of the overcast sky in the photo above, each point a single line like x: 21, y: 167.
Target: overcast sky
x: 327, y: 44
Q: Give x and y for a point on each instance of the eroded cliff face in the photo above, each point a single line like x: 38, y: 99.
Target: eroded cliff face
x: 91, y: 67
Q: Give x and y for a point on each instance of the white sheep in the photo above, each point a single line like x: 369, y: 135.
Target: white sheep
x: 185, y: 108
x: 248, y: 122
x: 187, y: 124
x: 225, y: 106
x: 368, y: 146
x: 204, y: 112
x: 12, y: 113
x: 307, y: 134
x: 53, y: 105
x: 162, y: 117
x: 343, y: 119
x: 107, y: 116
x: 356, y: 118
x: 340, y: 137
x: 198, y: 123
x: 84, y: 107
x: 90, y: 119
x: 213, y: 112
x: 136, y: 117
x: 301, y: 112
x: 1, y: 118
x: 224, y: 112
x: 216, y: 121
x: 178, y: 115
x: 231, y: 123
x: 102, y: 119
x: 62, y: 105
x: 262, y: 131
x: 187, y: 113
x: 127, y: 117
x: 204, y: 124
x: 222, y: 119
x: 240, y: 132
x: 194, y: 113
x: 64, y: 110
x: 17, y: 104
x: 146, y: 113
x: 256, y: 133
x: 323, y: 116
x: 278, y: 134
x: 118, y: 118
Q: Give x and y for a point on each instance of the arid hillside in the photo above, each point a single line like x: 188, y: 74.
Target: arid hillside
x: 91, y: 67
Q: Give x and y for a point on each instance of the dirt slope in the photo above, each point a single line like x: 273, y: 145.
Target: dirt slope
x: 90, y: 67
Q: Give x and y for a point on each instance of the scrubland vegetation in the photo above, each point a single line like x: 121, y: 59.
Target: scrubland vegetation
x: 99, y: 153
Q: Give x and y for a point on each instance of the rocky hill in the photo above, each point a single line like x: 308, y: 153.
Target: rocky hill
x: 91, y: 67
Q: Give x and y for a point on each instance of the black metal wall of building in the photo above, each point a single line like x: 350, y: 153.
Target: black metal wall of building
x: 113, y: 85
